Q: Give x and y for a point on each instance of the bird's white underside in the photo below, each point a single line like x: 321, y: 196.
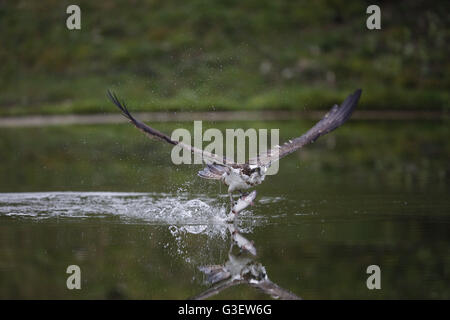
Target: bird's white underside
x: 237, y: 180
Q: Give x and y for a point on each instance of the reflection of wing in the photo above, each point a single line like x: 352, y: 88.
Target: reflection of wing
x: 215, y: 273
x: 153, y: 133
x: 266, y: 286
x: 273, y: 290
x: 337, y: 116
x: 252, y: 274
x: 217, y: 289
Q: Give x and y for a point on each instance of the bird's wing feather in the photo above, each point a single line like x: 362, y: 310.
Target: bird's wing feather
x: 153, y: 133
x: 213, y: 171
x: 337, y: 116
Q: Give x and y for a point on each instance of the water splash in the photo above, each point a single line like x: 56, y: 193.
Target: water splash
x: 183, y: 215
x: 155, y: 208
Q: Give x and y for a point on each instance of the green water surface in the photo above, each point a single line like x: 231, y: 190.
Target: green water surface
x: 370, y: 193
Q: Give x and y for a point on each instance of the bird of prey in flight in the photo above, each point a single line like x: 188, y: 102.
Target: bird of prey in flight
x: 239, y: 177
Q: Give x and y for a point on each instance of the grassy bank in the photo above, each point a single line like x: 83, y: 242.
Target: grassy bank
x: 215, y: 55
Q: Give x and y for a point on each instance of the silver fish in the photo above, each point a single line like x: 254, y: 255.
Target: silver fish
x: 243, y: 202
x: 241, y: 241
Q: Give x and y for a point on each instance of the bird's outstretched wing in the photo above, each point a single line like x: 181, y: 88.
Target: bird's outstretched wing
x: 155, y: 134
x: 337, y: 116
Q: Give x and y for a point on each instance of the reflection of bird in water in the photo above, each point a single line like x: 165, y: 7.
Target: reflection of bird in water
x: 241, y: 268
x: 239, y: 177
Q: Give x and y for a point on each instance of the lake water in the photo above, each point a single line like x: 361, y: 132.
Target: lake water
x: 109, y: 200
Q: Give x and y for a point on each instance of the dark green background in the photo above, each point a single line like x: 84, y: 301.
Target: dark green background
x: 369, y: 193
x: 211, y: 55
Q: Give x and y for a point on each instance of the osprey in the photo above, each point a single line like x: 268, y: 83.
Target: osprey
x: 239, y: 177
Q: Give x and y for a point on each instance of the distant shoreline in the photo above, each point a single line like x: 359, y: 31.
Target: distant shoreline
x: 51, y: 120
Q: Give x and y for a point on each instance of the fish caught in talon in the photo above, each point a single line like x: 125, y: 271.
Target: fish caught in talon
x: 243, y: 202
x: 239, y: 205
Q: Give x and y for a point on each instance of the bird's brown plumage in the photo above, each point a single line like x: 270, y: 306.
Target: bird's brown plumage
x: 337, y: 116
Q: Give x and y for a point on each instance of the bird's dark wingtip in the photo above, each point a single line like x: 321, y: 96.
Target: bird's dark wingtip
x: 111, y: 95
x: 121, y: 105
x: 352, y: 99
x: 347, y: 107
x: 356, y: 96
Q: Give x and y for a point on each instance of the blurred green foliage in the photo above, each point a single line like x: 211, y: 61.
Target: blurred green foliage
x: 210, y: 55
